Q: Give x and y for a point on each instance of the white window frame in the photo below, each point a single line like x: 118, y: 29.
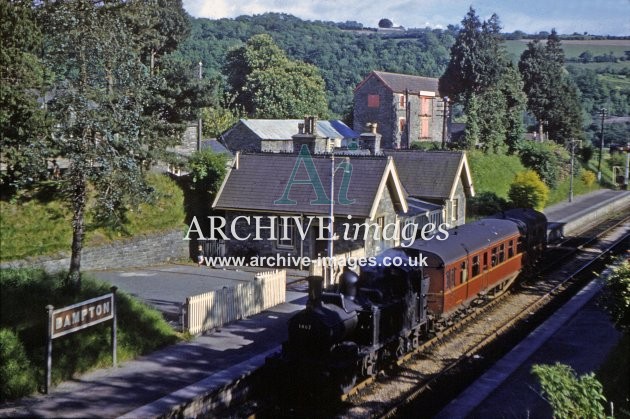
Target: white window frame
x: 289, y: 243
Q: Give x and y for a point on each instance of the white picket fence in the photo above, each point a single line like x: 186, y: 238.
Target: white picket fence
x: 215, y: 308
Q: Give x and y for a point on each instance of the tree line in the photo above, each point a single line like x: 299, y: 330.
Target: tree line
x: 93, y: 84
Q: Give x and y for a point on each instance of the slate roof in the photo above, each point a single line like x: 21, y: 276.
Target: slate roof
x: 398, y: 83
x: 467, y: 238
x: 431, y: 175
x: 284, y: 129
x: 261, y: 179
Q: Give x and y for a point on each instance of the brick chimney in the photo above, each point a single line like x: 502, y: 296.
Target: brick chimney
x: 371, y: 139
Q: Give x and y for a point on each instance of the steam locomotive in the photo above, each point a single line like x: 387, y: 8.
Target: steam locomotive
x: 374, y: 318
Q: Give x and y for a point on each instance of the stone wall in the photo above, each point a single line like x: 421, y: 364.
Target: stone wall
x: 136, y: 252
x: 389, y: 113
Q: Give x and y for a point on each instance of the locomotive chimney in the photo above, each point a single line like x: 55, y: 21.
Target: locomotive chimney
x: 315, y: 290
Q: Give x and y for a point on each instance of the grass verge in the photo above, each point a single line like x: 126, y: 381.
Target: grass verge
x: 41, y: 224
x: 23, y: 325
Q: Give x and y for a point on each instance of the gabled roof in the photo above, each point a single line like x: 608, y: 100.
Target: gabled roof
x: 398, y: 83
x: 284, y: 129
x: 432, y: 174
x: 258, y: 181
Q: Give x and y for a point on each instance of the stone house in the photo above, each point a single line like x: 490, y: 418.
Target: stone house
x: 290, y: 195
x: 276, y: 135
x: 406, y: 108
x: 437, y: 177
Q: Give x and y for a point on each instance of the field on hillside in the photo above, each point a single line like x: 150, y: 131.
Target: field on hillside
x: 573, y: 49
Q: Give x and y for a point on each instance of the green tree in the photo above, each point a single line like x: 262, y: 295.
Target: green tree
x: 108, y: 121
x: 551, y: 97
x: 269, y: 85
x: 207, y: 170
x: 477, y: 58
x: 24, y: 127
x: 570, y: 396
x: 528, y: 191
x: 617, y: 296
x: 481, y: 78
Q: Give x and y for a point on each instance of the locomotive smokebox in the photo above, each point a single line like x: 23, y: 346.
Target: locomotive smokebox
x: 315, y: 290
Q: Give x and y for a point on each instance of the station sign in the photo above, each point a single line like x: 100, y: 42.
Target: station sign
x: 81, y: 315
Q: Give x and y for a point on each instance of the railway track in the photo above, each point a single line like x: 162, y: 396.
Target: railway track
x: 530, y: 304
x: 467, y: 342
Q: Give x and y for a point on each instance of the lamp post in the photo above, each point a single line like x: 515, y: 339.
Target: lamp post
x: 601, y: 146
x: 331, y: 232
x: 572, y: 144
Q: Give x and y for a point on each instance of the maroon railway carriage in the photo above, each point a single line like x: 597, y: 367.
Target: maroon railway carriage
x: 476, y: 259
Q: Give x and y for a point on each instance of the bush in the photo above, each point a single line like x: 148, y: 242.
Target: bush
x: 586, y: 153
x: 568, y: 395
x: 588, y: 177
x: 486, y: 203
x: 528, y: 191
x: 617, y: 295
x: 17, y: 377
x: 549, y: 160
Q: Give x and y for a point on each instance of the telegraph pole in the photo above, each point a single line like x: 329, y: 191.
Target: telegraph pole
x: 602, y: 112
x: 199, y: 123
x: 572, y: 144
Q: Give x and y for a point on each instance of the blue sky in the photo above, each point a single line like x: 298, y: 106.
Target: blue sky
x: 600, y: 17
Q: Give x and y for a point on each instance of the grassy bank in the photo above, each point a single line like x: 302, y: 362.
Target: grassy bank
x: 23, y: 322
x: 40, y: 225
x: 493, y: 173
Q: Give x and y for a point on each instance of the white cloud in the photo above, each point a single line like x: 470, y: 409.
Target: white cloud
x: 529, y: 16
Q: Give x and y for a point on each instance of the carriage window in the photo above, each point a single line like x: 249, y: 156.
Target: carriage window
x: 494, y: 257
x: 485, y: 261
x: 501, y: 252
x: 475, y: 266
x: 450, y: 278
x: 511, y: 249
x: 463, y: 275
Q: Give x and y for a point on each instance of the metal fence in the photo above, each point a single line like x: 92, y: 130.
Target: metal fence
x: 215, y: 308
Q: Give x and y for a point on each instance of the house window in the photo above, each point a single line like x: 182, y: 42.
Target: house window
x: 425, y: 106
x: 454, y: 209
x: 286, y: 232
x: 380, y: 221
x: 402, y: 102
x: 374, y: 101
x: 402, y: 123
x: 424, y: 127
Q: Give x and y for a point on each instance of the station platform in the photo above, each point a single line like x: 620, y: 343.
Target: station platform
x: 571, y: 218
x: 579, y: 334
x: 159, y: 382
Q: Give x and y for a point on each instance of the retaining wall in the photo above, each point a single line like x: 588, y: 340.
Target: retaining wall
x: 135, y: 252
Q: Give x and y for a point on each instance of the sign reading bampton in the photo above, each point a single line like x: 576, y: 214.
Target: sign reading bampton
x: 76, y: 317
x: 81, y: 315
